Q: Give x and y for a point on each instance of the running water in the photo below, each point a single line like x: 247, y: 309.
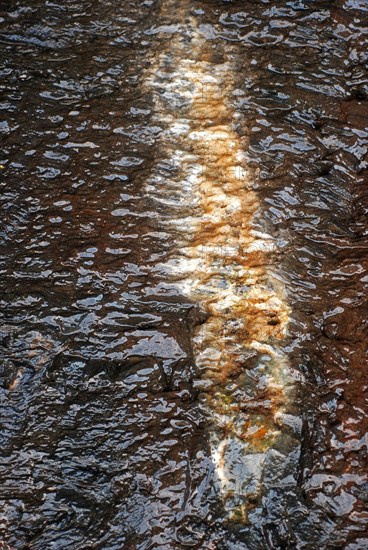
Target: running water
x: 184, y: 273
x: 220, y: 260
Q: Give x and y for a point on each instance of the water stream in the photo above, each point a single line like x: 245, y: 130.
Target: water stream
x: 184, y: 275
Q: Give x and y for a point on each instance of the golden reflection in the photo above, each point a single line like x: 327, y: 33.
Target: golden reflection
x: 221, y: 262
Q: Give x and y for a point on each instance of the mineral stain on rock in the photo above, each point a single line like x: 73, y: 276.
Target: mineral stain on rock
x: 220, y: 261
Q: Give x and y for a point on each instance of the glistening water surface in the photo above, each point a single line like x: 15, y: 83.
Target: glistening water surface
x: 184, y: 273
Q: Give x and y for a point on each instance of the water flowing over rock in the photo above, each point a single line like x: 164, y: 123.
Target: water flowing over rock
x: 184, y: 272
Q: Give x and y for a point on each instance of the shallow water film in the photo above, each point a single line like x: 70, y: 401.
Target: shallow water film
x: 184, y: 274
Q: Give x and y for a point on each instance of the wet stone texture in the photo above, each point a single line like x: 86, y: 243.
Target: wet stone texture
x: 105, y: 442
